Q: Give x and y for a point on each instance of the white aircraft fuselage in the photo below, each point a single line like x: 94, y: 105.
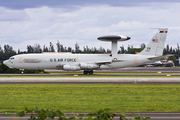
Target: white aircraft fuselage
x: 89, y: 62
x: 76, y: 61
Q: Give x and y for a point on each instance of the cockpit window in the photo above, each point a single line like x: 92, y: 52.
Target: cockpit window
x: 11, y: 58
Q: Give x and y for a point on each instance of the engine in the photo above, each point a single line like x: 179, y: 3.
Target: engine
x: 69, y: 67
x: 89, y: 66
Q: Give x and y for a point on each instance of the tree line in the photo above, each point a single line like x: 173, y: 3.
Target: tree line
x: 5, y: 69
x: 7, y: 51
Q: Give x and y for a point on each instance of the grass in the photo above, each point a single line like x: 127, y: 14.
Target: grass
x: 91, y: 76
x: 80, y: 76
x: 90, y: 97
x: 119, y: 73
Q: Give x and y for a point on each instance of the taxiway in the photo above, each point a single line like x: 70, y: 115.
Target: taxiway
x: 127, y: 70
x: 111, y: 80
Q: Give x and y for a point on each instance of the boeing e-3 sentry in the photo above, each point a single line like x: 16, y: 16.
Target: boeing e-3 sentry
x: 89, y: 62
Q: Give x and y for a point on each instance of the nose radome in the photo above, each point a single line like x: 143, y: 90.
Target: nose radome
x: 5, y: 62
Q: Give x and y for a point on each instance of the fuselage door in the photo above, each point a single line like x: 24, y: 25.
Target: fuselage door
x: 135, y: 59
x: 21, y: 59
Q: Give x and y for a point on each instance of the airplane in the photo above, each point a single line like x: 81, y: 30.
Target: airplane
x: 89, y: 62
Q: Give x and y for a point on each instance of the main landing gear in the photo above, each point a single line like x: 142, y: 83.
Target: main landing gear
x: 88, y: 71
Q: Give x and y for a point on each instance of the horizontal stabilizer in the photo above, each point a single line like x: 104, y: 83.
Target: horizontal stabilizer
x: 161, y: 57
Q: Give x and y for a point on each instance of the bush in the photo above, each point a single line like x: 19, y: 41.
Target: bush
x: 102, y: 114
x: 5, y: 69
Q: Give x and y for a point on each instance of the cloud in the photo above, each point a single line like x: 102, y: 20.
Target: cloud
x: 84, y: 24
x: 68, y: 4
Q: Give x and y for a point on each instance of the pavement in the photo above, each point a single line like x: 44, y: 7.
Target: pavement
x: 119, y: 77
x: 131, y: 80
x: 129, y: 69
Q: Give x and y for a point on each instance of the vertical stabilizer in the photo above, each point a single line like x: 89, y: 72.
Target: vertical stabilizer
x: 156, y: 45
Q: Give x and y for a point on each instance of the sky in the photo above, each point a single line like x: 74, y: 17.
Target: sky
x: 32, y: 22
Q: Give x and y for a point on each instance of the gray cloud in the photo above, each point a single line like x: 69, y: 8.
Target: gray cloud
x: 22, y: 4
x: 84, y: 24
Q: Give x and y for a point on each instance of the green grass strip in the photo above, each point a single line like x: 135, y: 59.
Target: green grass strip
x: 89, y: 76
x: 120, y: 73
x: 90, y: 97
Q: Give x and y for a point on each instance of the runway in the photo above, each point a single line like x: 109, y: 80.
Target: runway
x: 137, y: 75
x: 127, y: 70
x: 131, y: 80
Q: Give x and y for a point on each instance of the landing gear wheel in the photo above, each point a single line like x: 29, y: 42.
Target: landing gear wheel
x: 91, y: 72
x: 22, y: 71
x: 85, y: 72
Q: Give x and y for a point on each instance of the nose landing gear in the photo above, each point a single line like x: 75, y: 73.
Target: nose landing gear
x: 22, y: 71
x: 88, y: 71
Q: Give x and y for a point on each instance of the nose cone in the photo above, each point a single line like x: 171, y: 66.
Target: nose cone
x: 5, y: 62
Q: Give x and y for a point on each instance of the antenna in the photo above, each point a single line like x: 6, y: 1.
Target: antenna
x: 113, y: 39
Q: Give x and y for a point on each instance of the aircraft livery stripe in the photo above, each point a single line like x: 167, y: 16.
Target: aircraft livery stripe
x: 162, y: 31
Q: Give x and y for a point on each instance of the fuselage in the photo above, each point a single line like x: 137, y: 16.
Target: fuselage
x: 76, y: 61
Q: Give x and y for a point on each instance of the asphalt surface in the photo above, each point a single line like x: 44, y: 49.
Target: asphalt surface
x: 80, y: 78
x: 130, y: 69
x: 94, y: 75
x: 112, y: 80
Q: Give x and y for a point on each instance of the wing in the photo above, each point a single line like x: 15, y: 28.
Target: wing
x: 60, y: 66
x: 108, y: 61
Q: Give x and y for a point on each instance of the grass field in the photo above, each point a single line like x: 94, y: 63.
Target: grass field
x: 119, y: 73
x: 90, y: 97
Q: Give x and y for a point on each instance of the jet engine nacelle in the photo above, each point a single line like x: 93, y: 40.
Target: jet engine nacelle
x: 89, y: 66
x: 69, y: 67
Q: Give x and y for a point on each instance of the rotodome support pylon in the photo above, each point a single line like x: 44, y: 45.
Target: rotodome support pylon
x: 114, y: 41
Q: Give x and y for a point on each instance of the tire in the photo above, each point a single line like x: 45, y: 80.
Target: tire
x: 91, y: 72
x: 85, y: 72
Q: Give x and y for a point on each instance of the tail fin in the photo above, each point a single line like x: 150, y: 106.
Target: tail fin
x: 156, y: 45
